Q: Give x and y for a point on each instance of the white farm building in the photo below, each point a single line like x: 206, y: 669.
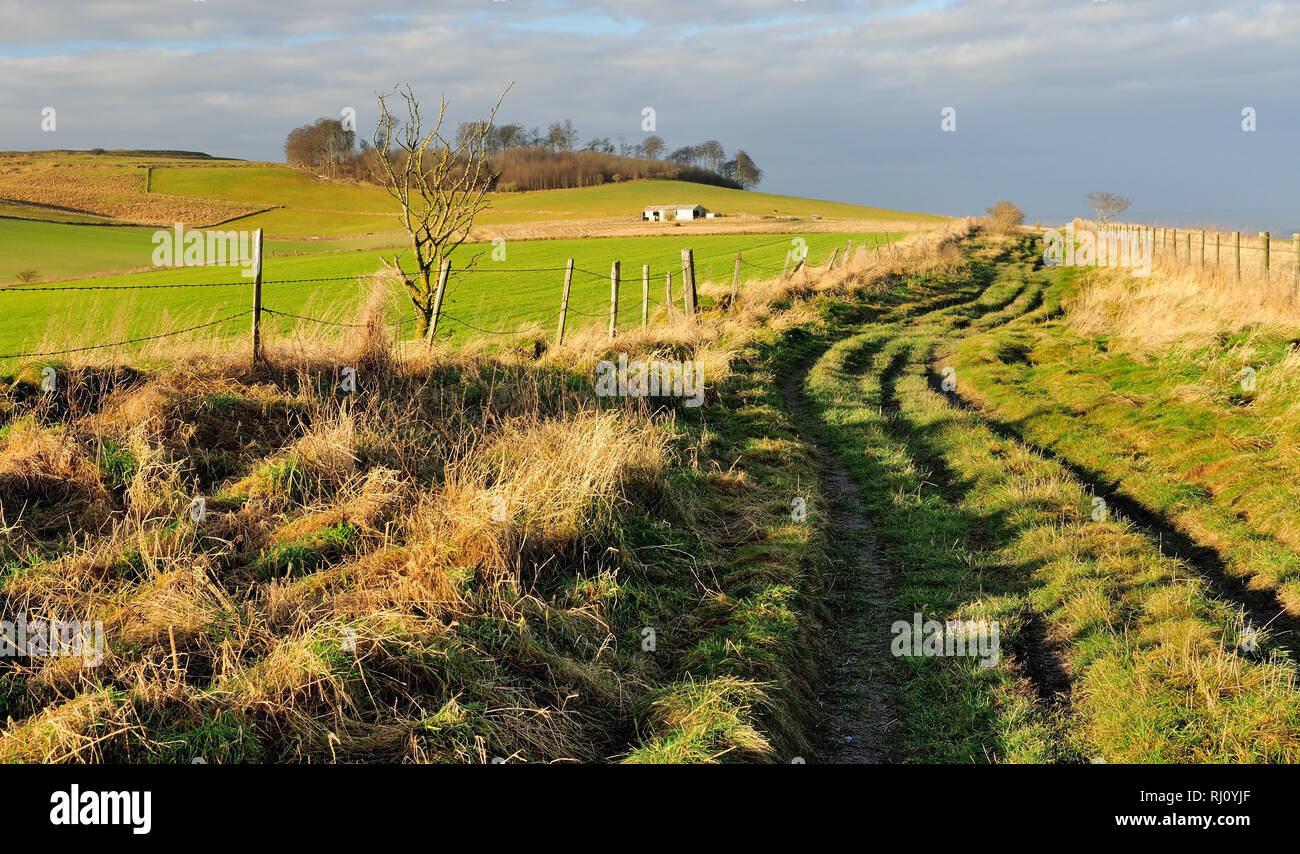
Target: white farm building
x: 661, y: 213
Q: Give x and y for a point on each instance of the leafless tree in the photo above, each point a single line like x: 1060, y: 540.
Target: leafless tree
x: 653, y: 146
x: 1107, y: 206
x: 440, y: 186
x: 1006, y: 216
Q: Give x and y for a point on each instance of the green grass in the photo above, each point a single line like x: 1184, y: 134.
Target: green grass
x: 70, y: 250
x: 500, y: 295
x: 1174, y: 432
x: 59, y: 251
x: 312, y: 206
x: 978, y: 525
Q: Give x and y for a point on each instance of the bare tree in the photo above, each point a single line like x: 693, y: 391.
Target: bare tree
x: 712, y: 155
x: 745, y: 172
x: 324, y: 145
x: 440, y: 191
x: 653, y: 146
x: 1107, y: 206
x: 1006, y: 215
x: 562, y: 136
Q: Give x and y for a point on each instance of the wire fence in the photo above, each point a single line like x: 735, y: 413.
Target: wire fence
x: 1264, y: 256
x: 450, y: 290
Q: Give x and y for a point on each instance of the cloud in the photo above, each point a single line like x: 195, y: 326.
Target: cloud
x: 834, y: 98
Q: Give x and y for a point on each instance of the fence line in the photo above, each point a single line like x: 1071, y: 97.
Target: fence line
x: 174, y: 332
x: 1174, y: 247
x: 687, y: 303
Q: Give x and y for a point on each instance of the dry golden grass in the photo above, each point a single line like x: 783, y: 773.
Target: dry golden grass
x: 1181, y: 302
x: 635, y: 227
x: 111, y: 190
x: 429, y: 569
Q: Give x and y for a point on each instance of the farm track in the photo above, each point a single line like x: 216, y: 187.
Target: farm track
x: 857, y: 707
x: 1041, y: 658
x: 858, y: 702
x: 890, y: 376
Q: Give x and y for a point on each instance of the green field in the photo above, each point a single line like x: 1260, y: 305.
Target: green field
x: 59, y: 251
x: 311, y: 206
x: 323, y: 234
x: 498, y: 296
x: 66, y: 251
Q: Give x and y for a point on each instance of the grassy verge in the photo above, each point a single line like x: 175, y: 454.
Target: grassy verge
x: 1175, y: 428
x: 1111, y: 649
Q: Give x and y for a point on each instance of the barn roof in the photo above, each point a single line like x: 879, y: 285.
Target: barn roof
x: 671, y: 207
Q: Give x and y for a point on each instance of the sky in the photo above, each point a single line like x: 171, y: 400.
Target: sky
x: 835, y: 99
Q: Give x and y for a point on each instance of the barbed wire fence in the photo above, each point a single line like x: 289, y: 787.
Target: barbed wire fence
x: 446, y: 300
x: 1211, y: 250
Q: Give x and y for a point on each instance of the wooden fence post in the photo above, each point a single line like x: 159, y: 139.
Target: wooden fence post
x: 1236, y: 251
x: 785, y: 266
x: 668, y: 291
x: 564, y: 302
x: 1295, y: 249
x: 1202, y: 249
x: 444, y: 269
x: 688, y: 280
x: 735, y: 281
x: 257, y: 297
x: 1263, y: 242
x: 645, y: 294
x: 1217, y: 250
x: 830, y: 265
x: 614, y: 272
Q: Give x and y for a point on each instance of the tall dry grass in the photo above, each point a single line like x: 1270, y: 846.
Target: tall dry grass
x: 428, y: 569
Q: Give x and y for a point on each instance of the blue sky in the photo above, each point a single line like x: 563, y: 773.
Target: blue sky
x: 838, y: 99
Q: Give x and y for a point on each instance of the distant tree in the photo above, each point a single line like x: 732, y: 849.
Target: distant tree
x: 323, y: 145
x: 29, y: 275
x: 654, y: 146
x: 600, y: 144
x: 1006, y: 215
x: 745, y: 172
x: 1107, y: 206
x: 562, y: 136
x: 687, y: 155
x: 712, y: 155
x: 510, y: 136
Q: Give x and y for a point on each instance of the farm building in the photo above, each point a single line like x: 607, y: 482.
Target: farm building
x: 659, y: 213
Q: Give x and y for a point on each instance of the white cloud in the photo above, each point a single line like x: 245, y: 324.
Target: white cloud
x: 833, y: 97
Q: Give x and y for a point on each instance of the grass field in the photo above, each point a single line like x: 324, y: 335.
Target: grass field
x: 202, y: 192
x: 499, y: 296
x: 67, y: 251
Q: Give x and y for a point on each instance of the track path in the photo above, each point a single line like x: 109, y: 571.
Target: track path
x: 936, y: 508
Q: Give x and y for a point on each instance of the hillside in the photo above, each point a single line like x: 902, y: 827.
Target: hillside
x: 289, y: 203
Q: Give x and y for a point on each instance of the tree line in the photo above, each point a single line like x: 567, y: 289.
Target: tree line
x: 532, y: 159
